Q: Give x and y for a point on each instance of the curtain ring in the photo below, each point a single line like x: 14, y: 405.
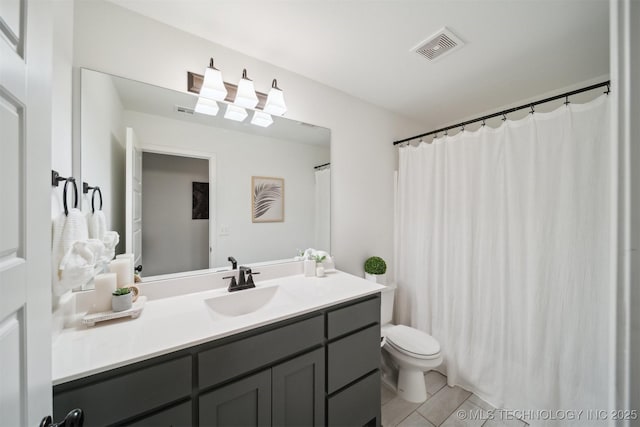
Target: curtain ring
x: 93, y: 196
x: 483, y: 123
x: 566, y: 100
x: 504, y: 117
x: 446, y: 132
x: 462, y: 129
x: 64, y: 194
x: 608, y: 89
x: 532, y: 109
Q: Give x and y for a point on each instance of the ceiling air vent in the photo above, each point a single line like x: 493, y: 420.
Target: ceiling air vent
x: 438, y: 45
x: 184, y: 110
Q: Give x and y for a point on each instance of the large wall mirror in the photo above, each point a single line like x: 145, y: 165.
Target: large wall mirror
x: 180, y: 187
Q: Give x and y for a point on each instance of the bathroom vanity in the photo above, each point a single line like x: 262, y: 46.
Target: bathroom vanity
x: 309, y: 356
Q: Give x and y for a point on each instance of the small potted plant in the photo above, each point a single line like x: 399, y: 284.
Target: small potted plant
x: 375, y: 269
x: 122, y: 299
x: 319, y: 266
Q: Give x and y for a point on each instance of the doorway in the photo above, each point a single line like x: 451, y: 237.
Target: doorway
x: 176, y: 212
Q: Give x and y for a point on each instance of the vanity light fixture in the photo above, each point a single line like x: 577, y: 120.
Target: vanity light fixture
x: 235, y: 113
x: 261, y: 119
x: 207, y: 106
x: 275, y: 100
x: 246, y: 94
x: 212, y: 84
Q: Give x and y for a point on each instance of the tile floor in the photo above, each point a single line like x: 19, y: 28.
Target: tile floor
x: 442, y: 408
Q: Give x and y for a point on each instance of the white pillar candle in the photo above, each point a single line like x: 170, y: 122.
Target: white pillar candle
x: 122, y: 267
x: 104, y: 285
x: 131, y: 259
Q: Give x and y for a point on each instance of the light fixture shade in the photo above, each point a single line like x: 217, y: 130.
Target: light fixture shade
x: 246, y: 94
x: 212, y: 84
x: 235, y: 113
x: 275, y: 101
x: 207, y: 106
x: 261, y: 119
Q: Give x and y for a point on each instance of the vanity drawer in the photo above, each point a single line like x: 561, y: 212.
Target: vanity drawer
x: 352, y: 317
x: 176, y: 416
x: 356, y: 405
x: 127, y: 395
x: 353, y: 356
x: 236, y: 358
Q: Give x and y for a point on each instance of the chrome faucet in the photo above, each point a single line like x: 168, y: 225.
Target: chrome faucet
x: 245, y: 280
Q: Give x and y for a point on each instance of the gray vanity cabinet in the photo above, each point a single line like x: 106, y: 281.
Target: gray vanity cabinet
x: 246, y: 402
x: 320, y: 368
x: 289, y: 394
x: 298, y: 391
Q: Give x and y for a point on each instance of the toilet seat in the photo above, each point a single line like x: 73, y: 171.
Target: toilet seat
x: 413, y: 342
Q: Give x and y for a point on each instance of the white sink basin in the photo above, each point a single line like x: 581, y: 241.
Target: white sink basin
x: 242, y: 302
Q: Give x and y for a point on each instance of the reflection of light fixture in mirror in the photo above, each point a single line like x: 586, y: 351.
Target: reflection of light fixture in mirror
x: 261, y: 119
x: 246, y: 94
x: 275, y: 100
x: 212, y: 84
x: 206, y: 106
x: 235, y: 113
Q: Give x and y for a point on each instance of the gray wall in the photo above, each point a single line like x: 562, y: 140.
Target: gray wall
x: 172, y: 241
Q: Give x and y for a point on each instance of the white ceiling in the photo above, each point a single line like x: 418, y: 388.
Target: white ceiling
x: 515, y: 49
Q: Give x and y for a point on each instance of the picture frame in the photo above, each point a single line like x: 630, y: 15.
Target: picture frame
x: 200, y: 200
x: 267, y: 199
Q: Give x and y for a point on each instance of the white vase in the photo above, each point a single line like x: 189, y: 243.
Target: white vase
x: 377, y: 278
x: 320, y: 270
x: 121, y: 302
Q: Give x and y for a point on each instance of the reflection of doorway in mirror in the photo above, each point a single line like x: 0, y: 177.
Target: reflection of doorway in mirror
x: 173, y: 240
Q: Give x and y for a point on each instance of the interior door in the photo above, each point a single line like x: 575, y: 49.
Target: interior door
x: 133, y: 202
x: 25, y: 218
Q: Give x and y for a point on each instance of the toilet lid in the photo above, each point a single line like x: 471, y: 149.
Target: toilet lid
x: 413, y: 342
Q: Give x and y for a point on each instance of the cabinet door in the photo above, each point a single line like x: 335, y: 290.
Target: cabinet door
x: 246, y: 402
x: 298, y: 391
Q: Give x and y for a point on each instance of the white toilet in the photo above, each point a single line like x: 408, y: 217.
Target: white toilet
x: 410, y: 351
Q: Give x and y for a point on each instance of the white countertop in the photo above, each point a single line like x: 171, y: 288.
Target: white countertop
x: 170, y: 324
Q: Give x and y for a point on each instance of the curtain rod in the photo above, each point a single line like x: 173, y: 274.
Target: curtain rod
x: 321, y: 166
x: 510, y: 110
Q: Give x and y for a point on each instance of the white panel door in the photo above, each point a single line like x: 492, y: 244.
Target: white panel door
x: 133, y: 203
x: 25, y: 223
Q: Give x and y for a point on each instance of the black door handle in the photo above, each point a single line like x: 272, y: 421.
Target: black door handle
x: 75, y: 418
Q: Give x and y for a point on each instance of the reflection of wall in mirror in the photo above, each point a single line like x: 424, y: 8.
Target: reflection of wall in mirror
x: 103, y: 153
x: 239, y: 156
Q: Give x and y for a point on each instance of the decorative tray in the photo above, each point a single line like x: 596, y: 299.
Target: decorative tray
x: 133, y: 312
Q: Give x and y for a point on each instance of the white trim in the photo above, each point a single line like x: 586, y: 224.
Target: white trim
x: 213, y: 213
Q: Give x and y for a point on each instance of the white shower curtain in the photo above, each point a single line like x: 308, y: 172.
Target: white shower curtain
x: 503, y: 255
x: 323, y: 209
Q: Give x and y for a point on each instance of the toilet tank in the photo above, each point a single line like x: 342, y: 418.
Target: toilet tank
x: 386, y: 304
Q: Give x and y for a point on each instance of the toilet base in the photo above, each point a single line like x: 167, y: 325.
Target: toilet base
x: 411, y: 386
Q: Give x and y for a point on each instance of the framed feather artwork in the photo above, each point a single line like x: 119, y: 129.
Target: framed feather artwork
x: 267, y: 199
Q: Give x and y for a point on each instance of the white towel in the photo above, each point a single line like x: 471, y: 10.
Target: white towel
x: 78, y: 264
x: 110, y: 240
x: 97, y: 225
x: 66, y: 231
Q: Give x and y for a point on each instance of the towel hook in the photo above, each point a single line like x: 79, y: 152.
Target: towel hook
x: 64, y: 194
x: 93, y: 196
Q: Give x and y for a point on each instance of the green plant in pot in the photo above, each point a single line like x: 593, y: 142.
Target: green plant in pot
x: 375, y: 269
x: 122, y: 299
